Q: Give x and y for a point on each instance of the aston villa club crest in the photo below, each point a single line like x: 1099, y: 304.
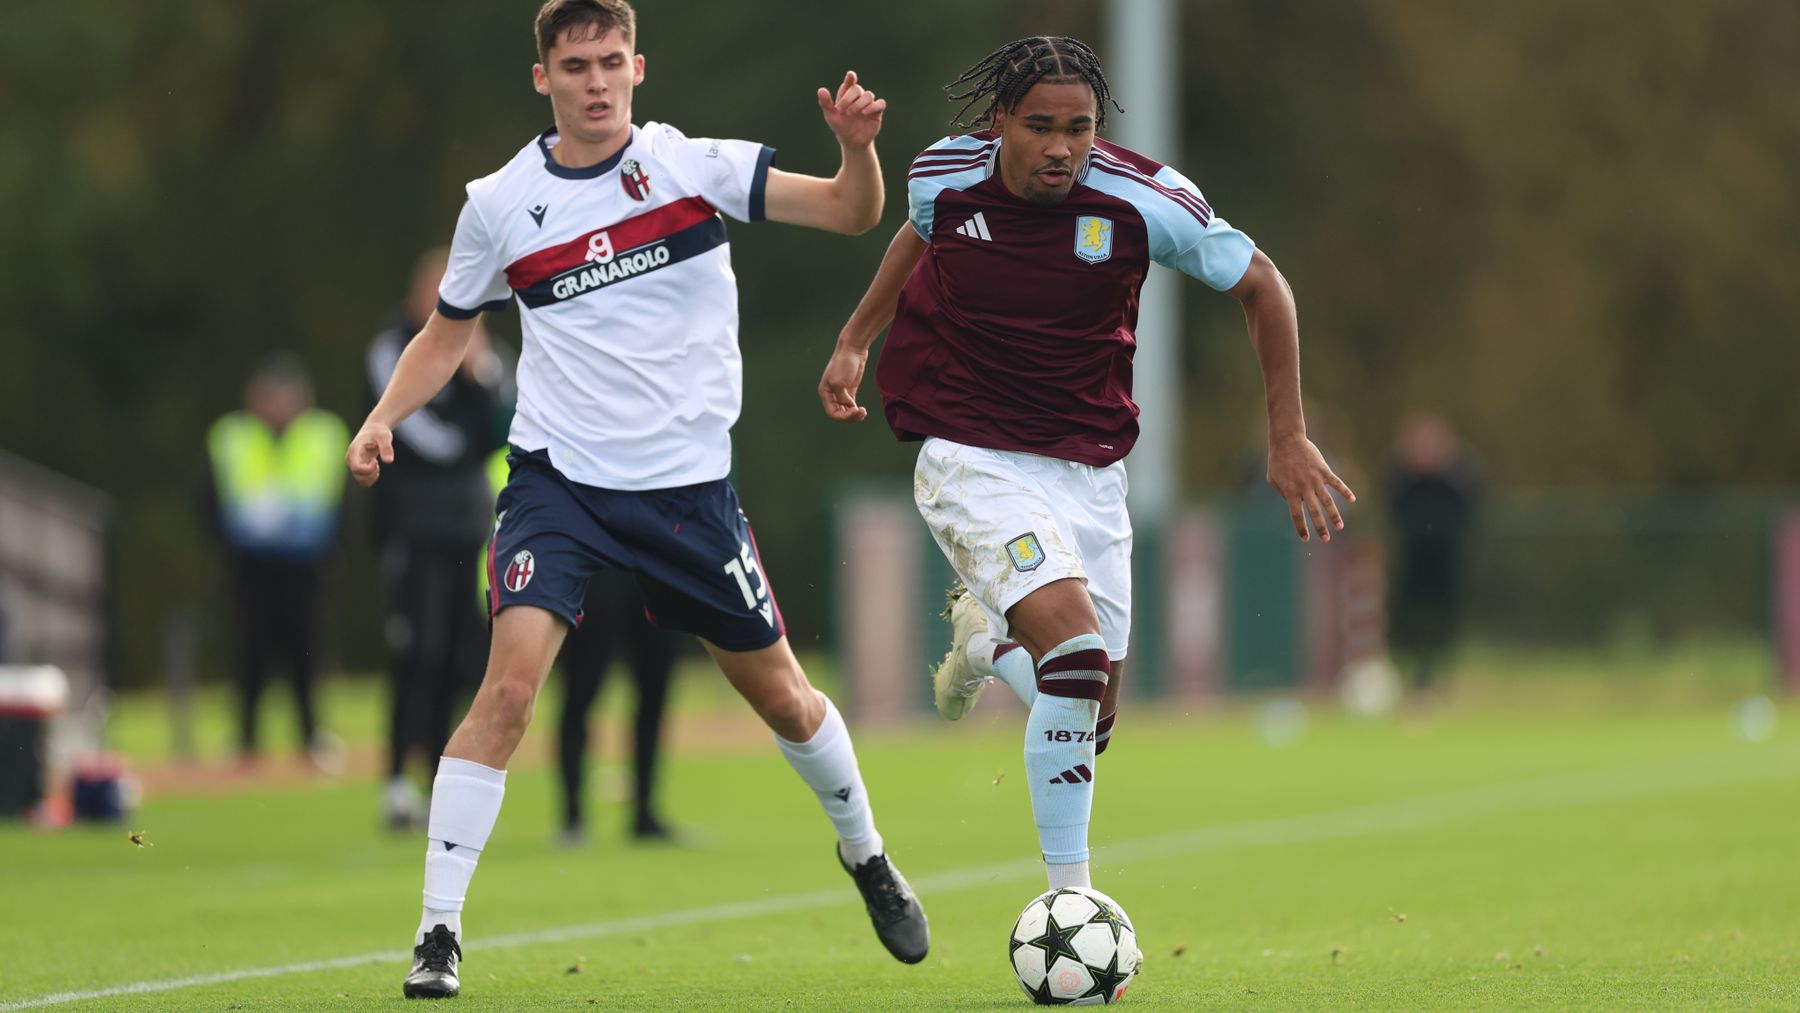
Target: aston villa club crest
x: 1027, y: 555
x: 519, y: 571
x: 1093, y: 238
x: 634, y: 179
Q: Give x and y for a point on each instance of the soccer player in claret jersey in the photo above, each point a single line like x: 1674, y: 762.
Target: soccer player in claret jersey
x: 1012, y: 293
x: 609, y: 236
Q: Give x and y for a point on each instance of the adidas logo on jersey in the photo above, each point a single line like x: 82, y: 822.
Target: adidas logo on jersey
x: 1080, y: 775
x: 975, y: 228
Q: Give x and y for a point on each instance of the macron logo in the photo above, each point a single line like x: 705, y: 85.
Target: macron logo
x: 975, y: 228
x: 537, y: 214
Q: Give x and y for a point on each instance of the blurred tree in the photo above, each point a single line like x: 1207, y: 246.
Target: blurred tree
x: 1565, y: 225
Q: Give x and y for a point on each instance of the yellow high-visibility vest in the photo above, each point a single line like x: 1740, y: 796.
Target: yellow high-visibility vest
x: 279, y: 494
x: 498, y: 471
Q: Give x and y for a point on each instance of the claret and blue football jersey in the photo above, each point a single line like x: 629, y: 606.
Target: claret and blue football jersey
x: 1015, y: 330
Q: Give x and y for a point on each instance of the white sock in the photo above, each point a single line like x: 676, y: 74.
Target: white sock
x: 1013, y: 667
x: 1059, y: 745
x: 465, y: 802
x: 827, y: 763
x: 451, y: 920
x: 1072, y: 874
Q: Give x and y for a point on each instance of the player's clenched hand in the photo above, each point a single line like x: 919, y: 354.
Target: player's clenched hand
x: 837, y: 388
x: 1298, y: 471
x: 854, y: 113
x: 372, y: 448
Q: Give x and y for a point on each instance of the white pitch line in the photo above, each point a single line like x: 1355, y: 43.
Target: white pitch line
x: 1665, y: 777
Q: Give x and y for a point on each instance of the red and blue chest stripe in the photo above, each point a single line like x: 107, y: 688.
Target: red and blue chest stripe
x: 602, y: 257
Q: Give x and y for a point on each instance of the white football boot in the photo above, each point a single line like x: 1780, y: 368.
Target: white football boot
x: 959, y: 679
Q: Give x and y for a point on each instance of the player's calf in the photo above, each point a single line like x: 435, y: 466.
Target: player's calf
x: 1059, y: 753
x: 826, y: 761
x: 772, y: 682
x: 792, y: 712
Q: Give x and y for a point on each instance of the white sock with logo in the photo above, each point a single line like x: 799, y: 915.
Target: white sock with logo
x: 827, y: 763
x: 465, y: 802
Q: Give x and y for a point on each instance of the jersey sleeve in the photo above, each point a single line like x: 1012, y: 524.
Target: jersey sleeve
x: 732, y: 175
x: 474, y: 282
x: 1186, y: 236
x: 921, y: 205
x: 953, y: 163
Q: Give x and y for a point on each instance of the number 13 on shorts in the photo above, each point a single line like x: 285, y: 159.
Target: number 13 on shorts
x: 741, y: 570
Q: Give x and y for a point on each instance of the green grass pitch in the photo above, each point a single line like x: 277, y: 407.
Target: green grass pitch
x: 1587, y: 860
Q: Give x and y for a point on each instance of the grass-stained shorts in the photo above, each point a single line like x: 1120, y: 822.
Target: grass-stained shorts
x: 1011, y: 522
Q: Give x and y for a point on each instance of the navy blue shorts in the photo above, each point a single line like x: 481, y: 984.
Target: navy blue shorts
x: 690, y: 548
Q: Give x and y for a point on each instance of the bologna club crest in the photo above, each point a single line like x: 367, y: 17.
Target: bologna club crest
x: 519, y: 571
x: 635, y: 180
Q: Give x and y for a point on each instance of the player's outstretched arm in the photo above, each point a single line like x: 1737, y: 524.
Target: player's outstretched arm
x: 850, y: 202
x: 1296, y: 468
x: 428, y: 362
x: 844, y: 373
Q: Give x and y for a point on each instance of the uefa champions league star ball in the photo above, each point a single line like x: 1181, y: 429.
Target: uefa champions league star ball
x: 1074, y: 947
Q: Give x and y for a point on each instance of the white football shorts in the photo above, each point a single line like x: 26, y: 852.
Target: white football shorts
x: 1011, y: 522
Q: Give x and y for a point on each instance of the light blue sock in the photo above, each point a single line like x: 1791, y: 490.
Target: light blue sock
x: 1016, y: 670
x: 1059, y: 745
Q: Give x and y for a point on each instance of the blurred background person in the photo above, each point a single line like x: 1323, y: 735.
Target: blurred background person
x: 275, y: 496
x: 616, y: 625
x: 1432, y: 493
x: 432, y: 516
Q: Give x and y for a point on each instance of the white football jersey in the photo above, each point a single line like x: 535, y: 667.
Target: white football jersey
x: 630, y: 374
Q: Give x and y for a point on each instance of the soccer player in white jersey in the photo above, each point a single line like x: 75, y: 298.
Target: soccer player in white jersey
x: 1012, y: 294
x: 610, y: 239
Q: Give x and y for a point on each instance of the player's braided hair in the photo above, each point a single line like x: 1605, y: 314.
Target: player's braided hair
x: 1002, y: 77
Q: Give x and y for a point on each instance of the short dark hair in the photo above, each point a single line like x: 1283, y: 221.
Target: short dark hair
x: 1004, y: 76
x: 559, y: 16
x: 283, y: 369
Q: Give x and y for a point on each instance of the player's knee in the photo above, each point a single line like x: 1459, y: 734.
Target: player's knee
x: 511, y: 701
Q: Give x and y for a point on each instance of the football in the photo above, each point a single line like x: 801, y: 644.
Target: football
x: 1074, y: 947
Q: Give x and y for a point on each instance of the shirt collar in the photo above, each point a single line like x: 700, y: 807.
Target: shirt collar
x: 594, y: 171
